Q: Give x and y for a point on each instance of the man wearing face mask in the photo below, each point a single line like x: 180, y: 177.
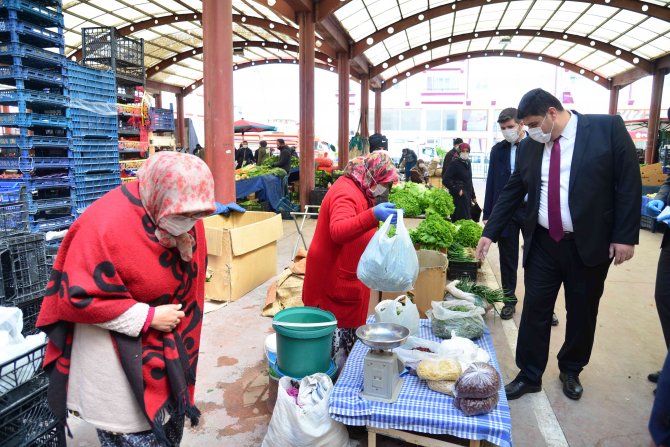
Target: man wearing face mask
x: 244, y: 156
x: 502, y: 163
x: 582, y: 179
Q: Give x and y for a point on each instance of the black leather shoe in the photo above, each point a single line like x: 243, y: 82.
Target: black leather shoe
x: 507, y: 311
x: 554, y: 319
x: 653, y: 377
x: 572, y: 387
x: 518, y: 387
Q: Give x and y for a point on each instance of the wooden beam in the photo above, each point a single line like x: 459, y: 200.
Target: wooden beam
x: 627, y: 56
x: 332, y: 32
x: 628, y: 77
x: 388, y: 83
x: 155, y: 86
x: 300, y: 5
x: 370, y: 40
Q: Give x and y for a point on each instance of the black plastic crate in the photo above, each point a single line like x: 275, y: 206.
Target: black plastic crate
x: 54, y: 436
x: 30, y: 309
x: 648, y: 223
x: 317, y: 195
x: 25, y: 416
x: 7, y: 279
x: 28, y: 258
x: 18, y: 372
x: 459, y: 270
x: 103, y: 48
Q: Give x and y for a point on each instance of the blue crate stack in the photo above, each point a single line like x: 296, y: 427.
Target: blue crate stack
x: 95, y: 141
x: 35, y: 196
x: 36, y: 154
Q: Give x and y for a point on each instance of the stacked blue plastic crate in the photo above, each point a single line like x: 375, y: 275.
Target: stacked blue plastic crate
x: 94, y: 128
x: 35, y: 155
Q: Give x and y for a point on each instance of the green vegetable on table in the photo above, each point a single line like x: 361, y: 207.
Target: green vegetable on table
x: 322, y: 179
x: 433, y: 233
x: 268, y: 162
x: 408, y: 196
x: 259, y: 171
x: 468, y: 233
x: 458, y: 253
x: 440, y: 201
x: 489, y: 295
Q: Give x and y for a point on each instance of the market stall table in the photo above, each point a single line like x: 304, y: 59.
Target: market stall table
x: 268, y: 188
x: 418, y: 409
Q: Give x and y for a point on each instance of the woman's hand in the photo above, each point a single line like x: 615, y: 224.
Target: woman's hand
x: 167, y: 317
x: 460, y: 193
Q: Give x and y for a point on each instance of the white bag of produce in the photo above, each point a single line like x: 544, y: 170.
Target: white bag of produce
x: 416, y: 349
x: 456, y: 318
x: 304, y: 421
x: 389, y: 264
x: 458, y: 293
x: 393, y: 311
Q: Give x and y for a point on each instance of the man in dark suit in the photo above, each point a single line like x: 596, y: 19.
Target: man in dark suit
x: 659, y: 422
x: 584, y: 195
x: 502, y: 163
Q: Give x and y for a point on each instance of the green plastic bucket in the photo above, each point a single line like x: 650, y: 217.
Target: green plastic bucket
x: 304, y: 340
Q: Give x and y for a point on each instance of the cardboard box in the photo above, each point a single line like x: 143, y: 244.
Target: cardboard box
x: 242, y: 251
x: 652, y: 175
x: 436, y: 182
x: 429, y: 286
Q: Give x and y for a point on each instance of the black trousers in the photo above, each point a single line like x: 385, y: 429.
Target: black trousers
x: 662, y: 293
x: 551, y: 264
x: 508, y: 246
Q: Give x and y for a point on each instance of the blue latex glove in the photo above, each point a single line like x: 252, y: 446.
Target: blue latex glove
x: 384, y: 210
x: 227, y: 208
x: 655, y: 207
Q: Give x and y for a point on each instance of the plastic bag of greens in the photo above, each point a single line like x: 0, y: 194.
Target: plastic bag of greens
x: 458, y: 317
x: 389, y: 264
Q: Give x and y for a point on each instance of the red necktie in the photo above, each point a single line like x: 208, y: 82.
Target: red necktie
x: 554, y: 193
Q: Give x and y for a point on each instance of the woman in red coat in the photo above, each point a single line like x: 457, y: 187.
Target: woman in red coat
x: 347, y: 221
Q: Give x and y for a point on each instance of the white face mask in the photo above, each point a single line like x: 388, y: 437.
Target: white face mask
x: 537, y: 134
x: 379, y: 190
x: 465, y: 155
x: 177, y: 225
x: 511, y: 135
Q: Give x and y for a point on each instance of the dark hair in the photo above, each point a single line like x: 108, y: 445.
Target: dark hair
x: 507, y: 114
x: 457, y: 141
x: 536, y: 103
x: 263, y: 143
x: 280, y: 141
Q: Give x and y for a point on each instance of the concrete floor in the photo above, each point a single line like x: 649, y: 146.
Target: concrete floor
x: 232, y: 387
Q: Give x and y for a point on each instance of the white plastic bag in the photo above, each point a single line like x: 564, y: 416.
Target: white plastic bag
x: 458, y: 293
x: 389, y: 264
x: 410, y: 356
x: 307, y: 425
x: 393, y: 311
x: 456, y: 317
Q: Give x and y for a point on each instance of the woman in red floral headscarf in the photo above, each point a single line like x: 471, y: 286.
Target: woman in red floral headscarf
x: 347, y: 221
x: 124, y: 305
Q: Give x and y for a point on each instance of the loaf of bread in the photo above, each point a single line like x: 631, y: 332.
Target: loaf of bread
x: 475, y: 407
x: 479, y: 381
x: 435, y: 370
x: 442, y: 386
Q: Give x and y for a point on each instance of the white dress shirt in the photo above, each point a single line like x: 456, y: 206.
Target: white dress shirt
x: 567, y: 142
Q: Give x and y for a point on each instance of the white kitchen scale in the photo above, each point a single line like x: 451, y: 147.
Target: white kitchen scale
x: 381, y: 367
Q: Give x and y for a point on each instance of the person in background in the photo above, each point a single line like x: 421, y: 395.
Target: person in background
x: 123, y: 341
x: 408, y: 161
x: 452, y: 155
x: 244, y: 156
x: 350, y: 214
x: 662, y: 290
x: 458, y: 180
x: 419, y: 173
x: 582, y: 179
x: 502, y: 163
x: 285, y: 154
x: 262, y: 152
x: 199, y: 152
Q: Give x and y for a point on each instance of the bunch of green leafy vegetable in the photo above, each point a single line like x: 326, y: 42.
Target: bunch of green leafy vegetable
x: 251, y: 205
x: 295, y: 162
x: 408, y: 196
x: 433, y: 233
x: 322, y: 179
x: 440, y: 201
x: 337, y: 174
x: 468, y: 233
x: 270, y: 160
x: 264, y: 170
x: 458, y: 253
x: 488, y: 294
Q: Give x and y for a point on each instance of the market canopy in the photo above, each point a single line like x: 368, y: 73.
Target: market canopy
x: 244, y: 126
x: 612, y: 42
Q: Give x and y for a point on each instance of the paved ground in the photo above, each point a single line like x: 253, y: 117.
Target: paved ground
x: 232, y: 386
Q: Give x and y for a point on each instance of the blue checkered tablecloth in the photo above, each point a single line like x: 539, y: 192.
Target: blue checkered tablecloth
x: 418, y: 408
